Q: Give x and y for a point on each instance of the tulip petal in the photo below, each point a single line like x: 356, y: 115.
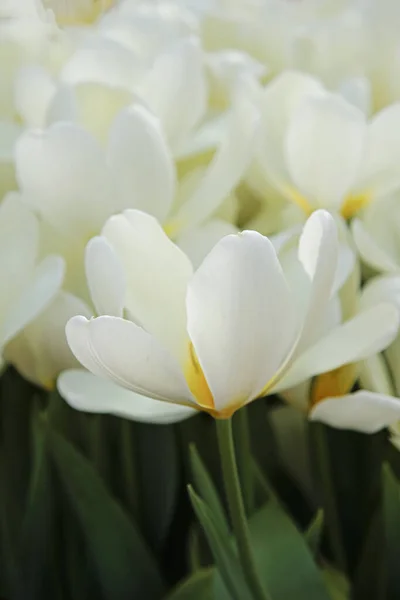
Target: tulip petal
x: 370, y: 251
x: 157, y: 274
x: 240, y: 317
x: 363, y: 411
x: 281, y: 97
x: 318, y: 253
x: 105, y: 277
x: 45, y: 282
x: 89, y: 393
x: 225, y: 170
x: 369, y: 332
x: 380, y: 174
x: 175, y: 89
x: 119, y: 350
x: 141, y: 162
x: 198, y: 242
x: 63, y: 175
x: 324, y: 148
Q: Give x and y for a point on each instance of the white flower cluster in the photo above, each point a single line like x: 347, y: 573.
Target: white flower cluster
x: 146, y: 151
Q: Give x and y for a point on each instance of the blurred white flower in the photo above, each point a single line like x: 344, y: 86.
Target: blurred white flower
x: 216, y: 339
x: 28, y: 285
x: 377, y: 235
x: 319, y: 150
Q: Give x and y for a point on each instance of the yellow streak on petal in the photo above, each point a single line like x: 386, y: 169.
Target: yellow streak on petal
x: 301, y: 201
x: 355, y: 203
x: 197, y: 381
x: 78, y: 12
x: 333, y: 384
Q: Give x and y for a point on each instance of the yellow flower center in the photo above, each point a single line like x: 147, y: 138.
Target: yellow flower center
x: 333, y: 384
x: 78, y: 12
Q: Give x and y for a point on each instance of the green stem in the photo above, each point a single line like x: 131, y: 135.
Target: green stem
x: 236, y: 508
x: 329, y: 496
x: 244, y: 458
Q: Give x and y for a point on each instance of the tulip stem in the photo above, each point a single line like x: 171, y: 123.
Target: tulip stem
x: 244, y: 457
x: 236, y: 508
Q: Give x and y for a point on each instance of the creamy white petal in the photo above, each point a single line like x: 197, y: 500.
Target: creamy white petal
x: 198, y: 242
x: 102, y: 61
x: 240, y: 317
x: 40, y: 352
x: 375, y: 376
x: 62, y: 173
x: 33, y: 93
x: 121, y: 351
x: 157, y: 275
x: 84, y: 391
x: 369, y: 332
x: 362, y: 411
x: 91, y: 105
x: 44, y: 283
x: 318, y: 253
x: 370, y: 251
x: 226, y: 169
x: 141, y: 162
x: 281, y: 97
x: 105, y: 277
x: 380, y: 173
x: 175, y: 89
x: 324, y: 148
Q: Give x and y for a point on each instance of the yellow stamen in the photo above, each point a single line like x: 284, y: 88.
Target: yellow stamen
x: 333, y: 384
x: 78, y: 12
x: 353, y: 204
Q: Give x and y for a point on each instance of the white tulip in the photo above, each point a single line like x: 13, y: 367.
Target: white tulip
x: 218, y: 338
x: 319, y: 151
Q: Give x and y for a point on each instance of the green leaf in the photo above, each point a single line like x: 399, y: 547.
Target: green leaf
x: 204, y: 485
x: 222, y: 549
x: 124, y: 565
x: 283, y: 558
x: 197, y: 587
x: 35, y: 544
x: 392, y: 529
x: 314, y: 532
x: 337, y: 584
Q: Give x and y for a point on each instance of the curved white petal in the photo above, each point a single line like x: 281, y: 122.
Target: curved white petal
x: 240, y: 317
x: 33, y: 93
x: 370, y: 251
x: 318, y: 253
x: 105, y: 277
x: 380, y: 174
x: 40, y: 352
x: 157, y: 273
x: 175, y: 89
x: 121, y: 351
x: 141, y: 162
x: 63, y: 175
x: 363, y: 411
x: 226, y: 169
x: 103, y: 61
x: 89, y: 393
x: 369, y: 332
x: 45, y: 282
x: 198, y: 242
x: 324, y: 148
x: 89, y: 104
x: 281, y: 97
